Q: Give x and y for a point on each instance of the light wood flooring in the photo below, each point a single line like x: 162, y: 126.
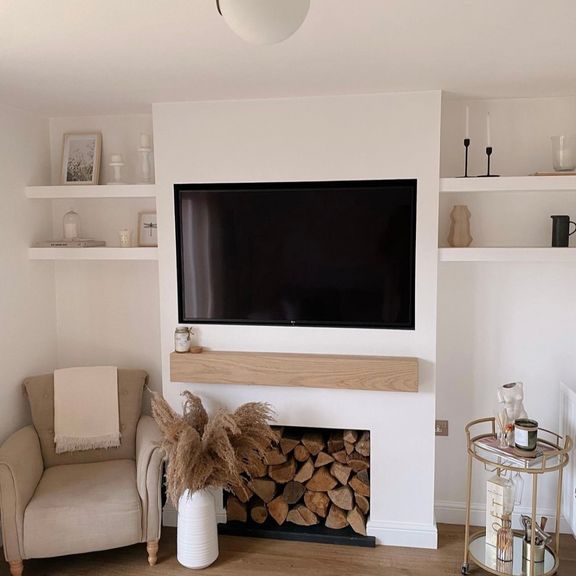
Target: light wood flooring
x: 258, y: 557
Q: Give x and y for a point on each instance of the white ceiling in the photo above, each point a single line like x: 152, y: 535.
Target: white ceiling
x: 67, y: 57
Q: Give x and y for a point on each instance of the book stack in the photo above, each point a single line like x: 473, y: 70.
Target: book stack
x: 76, y: 243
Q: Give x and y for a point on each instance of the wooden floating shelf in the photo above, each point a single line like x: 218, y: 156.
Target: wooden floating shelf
x: 93, y: 253
x: 100, y: 191
x: 376, y: 373
x: 509, y: 184
x: 507, y: 254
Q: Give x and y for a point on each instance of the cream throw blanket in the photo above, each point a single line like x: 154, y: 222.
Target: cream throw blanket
x: 86, y: 412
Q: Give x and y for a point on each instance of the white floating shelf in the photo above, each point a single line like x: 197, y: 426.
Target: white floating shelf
x: 509, y: 184
x: 93, y: 253
x: 507, y: 254
x: 102, y: 191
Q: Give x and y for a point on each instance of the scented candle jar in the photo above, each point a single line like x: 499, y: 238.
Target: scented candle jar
x: 525, y: 434
x: 182, y: 339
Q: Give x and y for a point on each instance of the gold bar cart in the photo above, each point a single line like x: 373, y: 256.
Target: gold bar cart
x: 554, y: 459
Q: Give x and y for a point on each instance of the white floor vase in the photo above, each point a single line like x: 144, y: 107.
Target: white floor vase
x: 197, y: 533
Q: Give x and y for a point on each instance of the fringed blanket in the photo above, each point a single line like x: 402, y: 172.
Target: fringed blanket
x: 86, y: 408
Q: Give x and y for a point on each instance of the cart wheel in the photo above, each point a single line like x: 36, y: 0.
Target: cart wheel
x: 465, y: 569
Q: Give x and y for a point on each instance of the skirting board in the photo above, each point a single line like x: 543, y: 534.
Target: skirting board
x: 448, y: 512
x: 386, y: 533
x: 406, y: 534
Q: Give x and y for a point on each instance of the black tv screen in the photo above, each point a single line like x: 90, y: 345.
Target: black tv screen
x: 297, y: 253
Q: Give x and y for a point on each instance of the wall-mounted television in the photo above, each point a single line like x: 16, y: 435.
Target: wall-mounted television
x: 297, y: 253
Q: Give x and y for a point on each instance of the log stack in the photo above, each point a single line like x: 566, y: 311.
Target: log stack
x: 310, y: 477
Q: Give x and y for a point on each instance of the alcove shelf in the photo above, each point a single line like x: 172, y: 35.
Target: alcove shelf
x: 100, y: 191
x: 507, y: 254
x: 509, y: 184
x: 93, y: 253
x: 375, y: 373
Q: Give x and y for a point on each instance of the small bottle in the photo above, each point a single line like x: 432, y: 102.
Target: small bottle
x: 182, y: 339
x: 505, y: 541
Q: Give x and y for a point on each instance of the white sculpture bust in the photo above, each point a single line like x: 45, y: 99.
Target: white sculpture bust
x: 510, y: 397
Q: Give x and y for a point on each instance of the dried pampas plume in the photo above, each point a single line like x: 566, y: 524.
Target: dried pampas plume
x: 211, y: 452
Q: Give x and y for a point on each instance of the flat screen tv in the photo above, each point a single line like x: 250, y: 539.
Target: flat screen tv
x: 297, y: 253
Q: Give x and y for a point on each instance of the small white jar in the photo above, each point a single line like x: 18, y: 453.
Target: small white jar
x: 182, y: 340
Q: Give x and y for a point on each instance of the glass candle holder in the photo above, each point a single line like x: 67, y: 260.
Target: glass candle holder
x: 564, y: 153
x: 71, y: 225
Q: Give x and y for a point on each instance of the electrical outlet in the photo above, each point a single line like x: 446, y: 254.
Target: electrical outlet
x: 441, y: 428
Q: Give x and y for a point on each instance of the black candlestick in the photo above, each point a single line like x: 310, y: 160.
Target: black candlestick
x: 488, y: 154
x: 466, y: 146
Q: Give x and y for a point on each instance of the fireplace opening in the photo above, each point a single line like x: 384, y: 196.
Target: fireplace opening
x: 313, y: 485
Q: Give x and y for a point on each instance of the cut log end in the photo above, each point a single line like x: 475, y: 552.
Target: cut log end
x: 357, y: 521
x: 236, y: 510
x: 337, y: 518
x: 278, y: 509
x: 302, y: 516
x: 322, y: 481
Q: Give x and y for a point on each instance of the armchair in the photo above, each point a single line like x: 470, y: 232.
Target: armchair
x: 58, y: 504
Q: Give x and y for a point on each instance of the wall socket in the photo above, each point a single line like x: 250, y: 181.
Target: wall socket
x: 441, y: 428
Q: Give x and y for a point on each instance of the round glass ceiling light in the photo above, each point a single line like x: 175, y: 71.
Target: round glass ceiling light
x: 264, y: 21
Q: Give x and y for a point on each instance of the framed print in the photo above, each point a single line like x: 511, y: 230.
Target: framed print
x: 147, y: 229
x: 81, y: 158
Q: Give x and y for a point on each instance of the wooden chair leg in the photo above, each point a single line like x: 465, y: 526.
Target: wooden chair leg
x: 152, y: 549
x: 16, y: 567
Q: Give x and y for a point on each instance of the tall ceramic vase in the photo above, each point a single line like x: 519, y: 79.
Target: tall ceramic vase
x: 197, y: 533
x: 460, y: 236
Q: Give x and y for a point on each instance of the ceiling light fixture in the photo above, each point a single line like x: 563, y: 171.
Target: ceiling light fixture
x: 263, y: 21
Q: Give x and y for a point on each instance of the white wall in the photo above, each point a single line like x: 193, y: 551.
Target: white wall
x: 27, y: 310
x: 502, y: 322
x: 359, y: 137
x: 107, y: 312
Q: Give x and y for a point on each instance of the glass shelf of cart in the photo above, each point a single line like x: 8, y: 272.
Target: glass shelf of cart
x: 484, y: 556
x: 551, y: 452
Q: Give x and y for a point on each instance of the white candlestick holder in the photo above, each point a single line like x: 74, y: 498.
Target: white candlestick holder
x: 145, y: 164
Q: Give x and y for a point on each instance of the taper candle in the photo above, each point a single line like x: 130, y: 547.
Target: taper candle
x: 467, y: 135
x: 488, y: 134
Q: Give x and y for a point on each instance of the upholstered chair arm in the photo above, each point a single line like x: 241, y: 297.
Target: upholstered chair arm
x: 21, y: 467
x: 149, y: 462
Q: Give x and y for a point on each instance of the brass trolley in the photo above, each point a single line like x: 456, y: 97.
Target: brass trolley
x: 554, y: 459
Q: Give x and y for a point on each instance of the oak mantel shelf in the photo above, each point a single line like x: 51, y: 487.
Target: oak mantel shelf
x: 376, y: 373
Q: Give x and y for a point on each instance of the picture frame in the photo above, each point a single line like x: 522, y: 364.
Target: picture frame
x: 147, y: 229
x: 81, y: 154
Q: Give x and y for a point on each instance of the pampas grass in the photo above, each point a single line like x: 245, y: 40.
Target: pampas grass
x: 211, y: 452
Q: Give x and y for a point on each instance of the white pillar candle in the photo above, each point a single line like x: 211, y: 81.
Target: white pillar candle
x: 116, y: 158
x: 467, y: 135
x: 145, y: 140
x: 488, y: 134
x: 70, y: 230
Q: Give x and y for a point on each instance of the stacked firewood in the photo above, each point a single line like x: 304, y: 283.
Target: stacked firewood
x: 308, y: 478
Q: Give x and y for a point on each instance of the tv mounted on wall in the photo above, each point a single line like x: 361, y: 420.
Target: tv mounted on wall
x: 297, y: 253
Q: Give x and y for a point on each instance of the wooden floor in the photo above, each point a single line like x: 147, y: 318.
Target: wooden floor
x: 256, y: 557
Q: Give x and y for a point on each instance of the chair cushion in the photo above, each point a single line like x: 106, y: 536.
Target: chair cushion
x: 82, y: 508
x: 40, y: 393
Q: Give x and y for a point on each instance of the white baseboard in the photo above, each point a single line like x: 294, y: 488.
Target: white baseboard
x: 449, y: 512
x: 386, y: 533
x: 405, y: 534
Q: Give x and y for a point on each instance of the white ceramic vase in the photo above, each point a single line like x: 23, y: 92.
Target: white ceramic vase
x: 197, y: 533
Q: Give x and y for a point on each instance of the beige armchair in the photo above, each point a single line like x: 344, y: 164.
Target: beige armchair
x: 58, y: 504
